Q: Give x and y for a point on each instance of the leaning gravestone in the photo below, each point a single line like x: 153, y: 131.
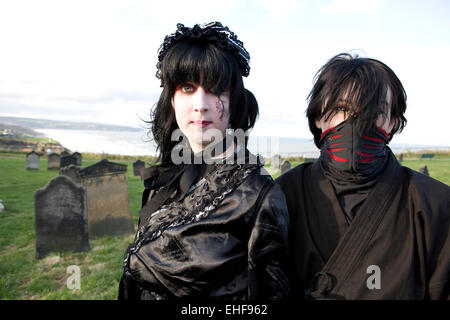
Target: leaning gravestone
x: 77, y: 157
x: 68, y: 160
x: 61, y: 217
x: 107, y: 197
x: 137, y: 167
x: 73, y: 172
x: 276, y: 161
x: 424, y: 169
x: 53, y: 161
x: 32, y: 161
x: 285, y: 166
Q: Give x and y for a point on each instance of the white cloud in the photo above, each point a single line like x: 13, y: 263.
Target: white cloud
x: 352, y: 6
x: 187, y: 12
x: 277, y: 10
x: 95, y: 60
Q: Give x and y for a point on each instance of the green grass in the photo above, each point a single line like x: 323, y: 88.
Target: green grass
x: 22, y: 276
x: 438, y: 167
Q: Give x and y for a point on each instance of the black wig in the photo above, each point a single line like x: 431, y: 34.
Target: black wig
x: 215, y: 69
x: 359, y: 87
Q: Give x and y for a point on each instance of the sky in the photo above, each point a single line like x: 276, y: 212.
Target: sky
x: 95, y: 61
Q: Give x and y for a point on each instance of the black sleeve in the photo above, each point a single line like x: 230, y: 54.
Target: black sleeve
x: 267, y: 247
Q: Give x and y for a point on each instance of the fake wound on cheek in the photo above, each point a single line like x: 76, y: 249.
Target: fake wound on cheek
x: 220, y: 107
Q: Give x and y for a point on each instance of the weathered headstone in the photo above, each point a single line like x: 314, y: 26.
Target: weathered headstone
x: 72, y: 171
x: 400, y: 157
x: 424, y: 169
x: 33, y: 160
x: 427, y: 156
x: 68, y: 160
x: 107, y: 196
x: 77, y: 156
x: 285, y: 166
x: 61, y: 217
x: 137, y: 167
x: 276, y: 161
x: 53, y: 161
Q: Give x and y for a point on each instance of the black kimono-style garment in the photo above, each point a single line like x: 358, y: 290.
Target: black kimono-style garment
x: 396, y: 247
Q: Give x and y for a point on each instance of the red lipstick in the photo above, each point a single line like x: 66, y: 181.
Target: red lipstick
x: 201, y: 123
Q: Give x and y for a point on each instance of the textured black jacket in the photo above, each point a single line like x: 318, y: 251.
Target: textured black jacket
x: 397, y: 246
x: 226, y: 239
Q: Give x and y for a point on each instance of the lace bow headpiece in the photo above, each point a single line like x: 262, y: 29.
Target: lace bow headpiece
x: 214, y: 32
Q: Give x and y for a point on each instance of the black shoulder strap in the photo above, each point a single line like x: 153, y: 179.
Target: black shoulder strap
x: 148, y: 207
x: 354, y: 243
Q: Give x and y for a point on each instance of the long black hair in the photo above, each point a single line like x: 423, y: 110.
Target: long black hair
x: 203, y: 63
x: 357, y: 86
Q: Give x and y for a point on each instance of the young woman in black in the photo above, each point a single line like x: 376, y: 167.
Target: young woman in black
x: 213, y: 224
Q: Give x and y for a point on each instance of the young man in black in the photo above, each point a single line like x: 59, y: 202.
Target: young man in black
x: 361, y: 225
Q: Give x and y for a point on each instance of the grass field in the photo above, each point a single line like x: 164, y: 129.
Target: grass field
x: 438, y: 167
x: 22, y: 276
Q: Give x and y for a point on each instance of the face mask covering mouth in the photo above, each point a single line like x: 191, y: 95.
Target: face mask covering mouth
x: 346, y: 155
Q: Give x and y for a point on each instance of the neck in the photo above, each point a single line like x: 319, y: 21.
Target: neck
x: 197, y: 148
x: 214, y: 152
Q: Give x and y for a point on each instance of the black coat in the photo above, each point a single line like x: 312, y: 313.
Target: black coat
x: 226, y: 239
x: 399, y: 236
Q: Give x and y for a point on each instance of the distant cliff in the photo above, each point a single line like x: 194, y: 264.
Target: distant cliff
x: 19, y: 138
x: 67, y: 125
x: 13, y: 130
x: 25, y: 145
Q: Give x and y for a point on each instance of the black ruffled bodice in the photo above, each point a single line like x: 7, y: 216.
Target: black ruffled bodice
x: 224, y: 238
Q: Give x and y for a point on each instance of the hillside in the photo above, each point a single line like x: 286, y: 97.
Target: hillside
x: 54, y: 124
x: 18, y: 131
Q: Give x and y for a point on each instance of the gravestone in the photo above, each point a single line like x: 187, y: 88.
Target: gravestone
x: 68, y: 160
x: 276, y: 161
x: 427, y: 156
x: 32, y: 160
x: 72, y: 171
x: 400, y: 157
x: 424, y: 169
x: 77, y: 156
x: 53, y: 161
x: 137, y: 167
x: 285, y: 166
x: 61, y: 217
x: 107, y: 197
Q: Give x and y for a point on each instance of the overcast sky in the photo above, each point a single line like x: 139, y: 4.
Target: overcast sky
x: 95, y: 60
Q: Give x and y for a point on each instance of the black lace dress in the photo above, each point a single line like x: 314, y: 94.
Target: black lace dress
x: 208, y: 231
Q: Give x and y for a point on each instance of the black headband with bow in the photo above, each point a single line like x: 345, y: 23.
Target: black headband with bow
x: 213, y: 32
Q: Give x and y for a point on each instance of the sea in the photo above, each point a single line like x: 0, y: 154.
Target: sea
x: 139, y: 143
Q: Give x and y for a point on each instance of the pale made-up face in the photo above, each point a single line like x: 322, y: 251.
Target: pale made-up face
x: 200, y: 114
x: 384, y: 123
